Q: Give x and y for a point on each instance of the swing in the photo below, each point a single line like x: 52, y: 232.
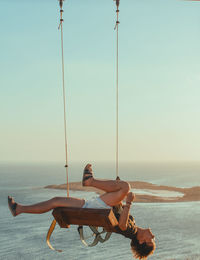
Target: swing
x: 94, y: 218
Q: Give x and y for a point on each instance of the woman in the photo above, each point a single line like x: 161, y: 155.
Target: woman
x: 142, y: 240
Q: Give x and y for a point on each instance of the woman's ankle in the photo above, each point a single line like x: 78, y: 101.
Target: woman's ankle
x: 89, y: 182
x: 18, y: 209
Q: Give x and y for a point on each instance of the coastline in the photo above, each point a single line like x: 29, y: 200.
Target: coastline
x: 188, y: 194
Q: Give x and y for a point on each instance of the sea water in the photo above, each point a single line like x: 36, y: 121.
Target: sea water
x: 175, y: 225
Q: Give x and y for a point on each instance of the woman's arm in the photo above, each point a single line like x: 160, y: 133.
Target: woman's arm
x: 123, y: 220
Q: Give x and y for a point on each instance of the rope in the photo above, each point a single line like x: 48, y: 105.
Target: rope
x: 50, y: 231
x: 64, y: 95
x: 96, y: 234
x: 117, y: 91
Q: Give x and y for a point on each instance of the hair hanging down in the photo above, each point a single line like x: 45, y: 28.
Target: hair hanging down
x: 141, y: 251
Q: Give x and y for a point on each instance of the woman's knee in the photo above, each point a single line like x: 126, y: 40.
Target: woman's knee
x: 55, y: 201
x: 126, y: 187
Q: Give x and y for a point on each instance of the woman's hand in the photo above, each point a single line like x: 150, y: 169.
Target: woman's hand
x: 130, y: 197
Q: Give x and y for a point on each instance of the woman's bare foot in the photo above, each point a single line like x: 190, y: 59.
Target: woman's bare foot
x: 87, y: 175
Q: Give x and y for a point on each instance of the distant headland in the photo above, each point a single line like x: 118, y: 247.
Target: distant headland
x: 146, y: 192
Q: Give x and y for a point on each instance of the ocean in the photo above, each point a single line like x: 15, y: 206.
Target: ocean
x: 175, y: 225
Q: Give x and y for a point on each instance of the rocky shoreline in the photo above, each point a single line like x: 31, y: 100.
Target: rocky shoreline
x: 188, y: 194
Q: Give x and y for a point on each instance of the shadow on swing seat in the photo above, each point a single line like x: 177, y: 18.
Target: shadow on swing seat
x: 94, y: 218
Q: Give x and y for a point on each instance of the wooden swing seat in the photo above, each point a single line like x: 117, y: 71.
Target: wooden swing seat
x: 93, y: 218
x: 85, y: 217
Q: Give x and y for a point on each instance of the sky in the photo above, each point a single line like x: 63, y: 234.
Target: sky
x: 159, y: 81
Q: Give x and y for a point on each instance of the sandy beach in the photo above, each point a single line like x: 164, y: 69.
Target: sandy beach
x: 146, y: 192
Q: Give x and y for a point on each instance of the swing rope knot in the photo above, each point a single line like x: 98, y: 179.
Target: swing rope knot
x: 61, y: 13
x: 117, y: 11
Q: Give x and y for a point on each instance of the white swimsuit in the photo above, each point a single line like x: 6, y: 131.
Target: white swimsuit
x: 96, y: 203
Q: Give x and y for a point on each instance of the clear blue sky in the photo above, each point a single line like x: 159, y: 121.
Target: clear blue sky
x: 159, y: 80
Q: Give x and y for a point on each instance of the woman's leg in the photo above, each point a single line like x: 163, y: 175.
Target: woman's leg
x: 48, y: 205
x: 114, y: 198
x: 116, y: 191
x: 110, y: 185
x: 105, y: 185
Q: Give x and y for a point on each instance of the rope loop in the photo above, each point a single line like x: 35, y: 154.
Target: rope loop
x: 117, y: 3
x: 61, y: 3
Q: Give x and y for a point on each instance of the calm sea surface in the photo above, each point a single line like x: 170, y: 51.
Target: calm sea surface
x: 176, y: 225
